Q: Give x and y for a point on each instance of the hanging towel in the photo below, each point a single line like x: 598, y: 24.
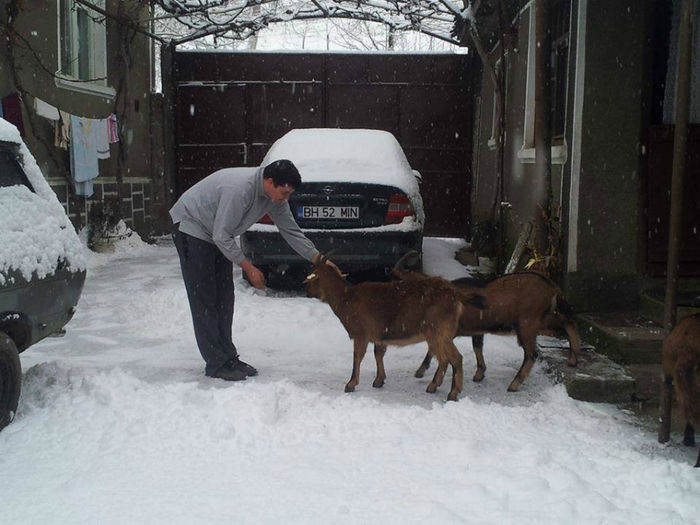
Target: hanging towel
x: 113, y: 131
x: 102, y: 138
x: 61, y: 136
x: 12, y: 111
x: 83, y: 153
x: 46, y: 110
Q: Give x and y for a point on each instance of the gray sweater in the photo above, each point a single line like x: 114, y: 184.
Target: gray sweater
x: 226, y: 203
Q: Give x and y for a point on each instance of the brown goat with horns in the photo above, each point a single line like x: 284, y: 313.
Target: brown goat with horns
x: 527, y: 303
x: 395, y: 313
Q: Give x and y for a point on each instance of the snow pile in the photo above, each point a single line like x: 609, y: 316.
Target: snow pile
x: 126, y: 243
x: 118, y: 424
x: 35, y: 233
x: 348, y: 155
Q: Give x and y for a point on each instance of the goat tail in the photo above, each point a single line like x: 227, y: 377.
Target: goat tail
x: 562, y: 307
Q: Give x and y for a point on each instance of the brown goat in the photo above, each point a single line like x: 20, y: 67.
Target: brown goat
x: 525, y: 302
x: 394, y: 313
x: 680, y: 361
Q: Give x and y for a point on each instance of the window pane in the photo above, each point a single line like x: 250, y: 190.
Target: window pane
x: 83, y: 45
x: 11, y: 172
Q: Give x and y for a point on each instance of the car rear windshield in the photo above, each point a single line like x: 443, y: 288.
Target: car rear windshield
x: 11, y: 172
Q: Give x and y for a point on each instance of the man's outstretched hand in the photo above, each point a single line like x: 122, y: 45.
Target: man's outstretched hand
x: 255, y: 276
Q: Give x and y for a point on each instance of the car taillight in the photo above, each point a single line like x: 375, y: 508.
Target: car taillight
x: 265, y: 219
x: 399, y: 207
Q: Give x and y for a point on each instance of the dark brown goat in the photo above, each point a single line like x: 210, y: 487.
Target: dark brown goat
x: 526, y: 302
x: 680, y: 361
x: 395, y: 313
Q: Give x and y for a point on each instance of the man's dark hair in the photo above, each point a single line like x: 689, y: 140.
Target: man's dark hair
x: 283, y: 172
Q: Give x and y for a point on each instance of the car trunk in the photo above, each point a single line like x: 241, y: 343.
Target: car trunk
x: 334, y: 205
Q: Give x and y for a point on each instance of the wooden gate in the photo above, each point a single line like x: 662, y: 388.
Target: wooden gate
x: 230, y: 107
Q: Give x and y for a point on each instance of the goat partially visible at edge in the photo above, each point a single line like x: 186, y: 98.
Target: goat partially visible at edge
x: 394, y: 313
x: 680, y: 361
x: 527, y: 303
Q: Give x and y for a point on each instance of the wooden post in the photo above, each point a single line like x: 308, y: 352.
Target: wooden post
x: 167, y: 58
x: 680, y: 147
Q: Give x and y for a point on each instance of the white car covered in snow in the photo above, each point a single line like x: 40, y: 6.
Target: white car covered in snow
x: 359, y: 197
x: 42, y: 264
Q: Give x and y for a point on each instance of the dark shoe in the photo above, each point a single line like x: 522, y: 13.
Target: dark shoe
x: 245, y: 368
x: 229, y: 372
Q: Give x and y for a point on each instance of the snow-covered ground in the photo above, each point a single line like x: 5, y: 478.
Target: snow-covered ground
x: 118, y: 424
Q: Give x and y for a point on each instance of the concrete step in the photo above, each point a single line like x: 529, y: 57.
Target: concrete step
x: 596, y: 378
x: 624, y: 337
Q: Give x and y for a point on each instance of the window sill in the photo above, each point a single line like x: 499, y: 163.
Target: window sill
x: 89, y: 88
x: 559, y: 154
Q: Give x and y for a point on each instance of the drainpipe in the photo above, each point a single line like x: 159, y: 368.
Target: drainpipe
x: 680, y: 147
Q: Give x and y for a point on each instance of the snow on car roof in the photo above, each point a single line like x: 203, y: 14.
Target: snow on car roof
x: 348, y: 155
x: 34, y: 229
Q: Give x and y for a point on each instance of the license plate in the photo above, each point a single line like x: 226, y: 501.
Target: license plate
x: 328, y: 212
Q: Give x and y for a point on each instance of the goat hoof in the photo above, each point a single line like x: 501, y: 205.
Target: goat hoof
x: 419, y: 373
x: 378, y: 384
x: 349, y: 388
x: 572, y: 362
x: 431, y: 389
x: 478, y: 377
x: 452, y: 396
x: 689, y: 442
x: 513, y: 387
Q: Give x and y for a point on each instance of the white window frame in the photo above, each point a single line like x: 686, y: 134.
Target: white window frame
x: 526, y: 154
x: 68, y: 76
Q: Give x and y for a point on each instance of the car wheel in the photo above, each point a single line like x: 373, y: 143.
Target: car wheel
x: 10, y: 379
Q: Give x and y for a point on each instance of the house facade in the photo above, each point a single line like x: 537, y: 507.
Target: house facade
x: 612, y: 70
x: 74, y: 81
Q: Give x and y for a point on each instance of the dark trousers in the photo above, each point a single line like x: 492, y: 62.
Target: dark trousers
x: 209, y: 282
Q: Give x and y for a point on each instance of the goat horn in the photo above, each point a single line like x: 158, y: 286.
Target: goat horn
x: 327, y: 255
x: 309, y: 277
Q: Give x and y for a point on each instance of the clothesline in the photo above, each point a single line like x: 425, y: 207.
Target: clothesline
x: 87, y: 139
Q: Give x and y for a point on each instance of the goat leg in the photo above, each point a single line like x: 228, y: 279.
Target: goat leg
x: 423, y: 366
x: 689, y: 435
x: 478, y: 346
x: 379, y: 351
x: 455, y: 359
x: 574, y: 343
x: 359, y: 350
x: 529, y: 344
x: 439, y: 374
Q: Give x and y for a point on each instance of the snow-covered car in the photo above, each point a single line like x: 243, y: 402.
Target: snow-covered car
x: 42, y: 264
x: 359, y: 197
